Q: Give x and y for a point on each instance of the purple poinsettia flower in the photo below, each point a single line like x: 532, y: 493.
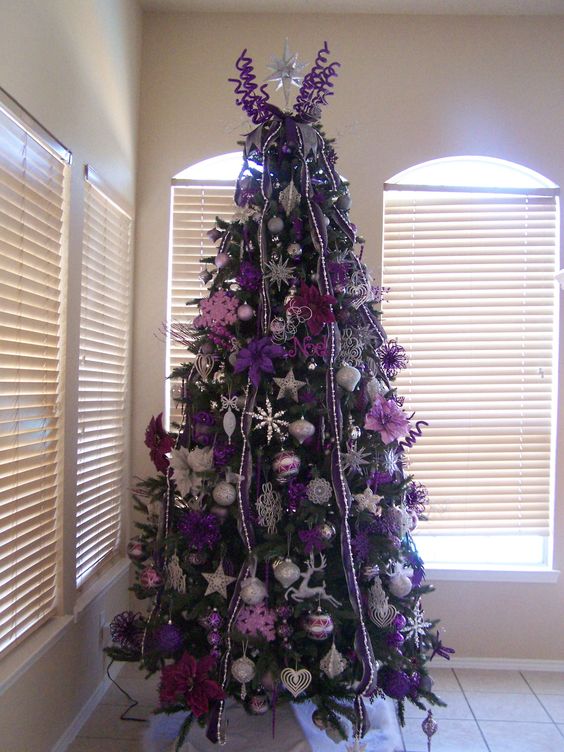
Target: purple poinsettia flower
x: 310, y: 298
x: 257, y: 358
x: 311, y: 539
x: 386, y: 417
x: 159, y: 442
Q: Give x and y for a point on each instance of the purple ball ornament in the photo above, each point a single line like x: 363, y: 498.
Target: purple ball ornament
x: 395, y: 639
x: 221, y: 260
x: 284, y: 612
x: 400, y: 621
x: 245, y: 312
x: 284, y: 630
x: 168, y: 638
x: 430, y: 727
x: 214, y: 638
x: 214, y: 620
x: 396, y: 684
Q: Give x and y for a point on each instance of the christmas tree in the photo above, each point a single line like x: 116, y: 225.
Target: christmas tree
x: 277, y: 551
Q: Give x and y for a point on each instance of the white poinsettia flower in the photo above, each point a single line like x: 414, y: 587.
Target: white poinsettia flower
x: 182, y: 470
x: 200, y: 459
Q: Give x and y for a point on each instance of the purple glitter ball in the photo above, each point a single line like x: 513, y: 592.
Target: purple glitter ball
x: 284, y: 630
x: 168, y: 638
x: 395, y: 684
x: 249, y: 277
x: 214, y: 620
x: 395, y: 639
x: 214, y: 638
x: 400, y: 621
x: 215, y: 653
x: 284, y: 612
x: 297, y: 492
x: 201, y: 530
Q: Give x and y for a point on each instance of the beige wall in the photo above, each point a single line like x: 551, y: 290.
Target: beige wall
x: 410, y: 89
x: 74, y: 64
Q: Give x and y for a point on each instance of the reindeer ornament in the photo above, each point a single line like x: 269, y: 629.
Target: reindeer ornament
x: 305, y: 591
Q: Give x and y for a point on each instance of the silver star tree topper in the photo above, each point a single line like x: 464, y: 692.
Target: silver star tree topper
x: 286, y: 71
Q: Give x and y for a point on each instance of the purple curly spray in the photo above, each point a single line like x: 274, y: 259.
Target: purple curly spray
x: 317, y: 84
x: 253, y: 104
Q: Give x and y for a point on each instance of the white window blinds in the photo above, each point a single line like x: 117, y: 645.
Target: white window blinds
x: 32, y: 231
x: 103, y: 380
x: 473, y: 302
x: 195, y: 205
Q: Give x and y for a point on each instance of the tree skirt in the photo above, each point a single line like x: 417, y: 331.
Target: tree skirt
x: 294, y: 732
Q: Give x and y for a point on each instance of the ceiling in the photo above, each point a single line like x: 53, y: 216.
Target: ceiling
x: 427, y: 7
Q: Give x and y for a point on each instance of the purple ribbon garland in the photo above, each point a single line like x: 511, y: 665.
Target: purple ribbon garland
x: 363, y: 646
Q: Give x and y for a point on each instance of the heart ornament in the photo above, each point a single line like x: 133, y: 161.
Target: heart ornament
x: 295, y: 680
x: 383, y: 616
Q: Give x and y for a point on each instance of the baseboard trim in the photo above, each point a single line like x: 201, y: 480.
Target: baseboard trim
x: 510, y: 664
x: 82, y: 716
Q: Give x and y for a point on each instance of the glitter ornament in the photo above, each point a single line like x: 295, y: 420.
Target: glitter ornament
x: 289, y: 386
x: 318, y: 626
x: 327, y: 531
x: 294, y: 251
x: 218, y: 581
x: 301, y: 430
x: 430, y: 727
x: 229, y: 423
x: 272, y: 421
x: 319, y: 491
x: 275, y: 225
x: 295, y: 681
x: 285, y: 465
x: 289, y: 198
x: 399, y: 521
x: 257, y: 703
x: 224, y: 493
x: 253, y: 591
x: 380, y: 610
x: 243, y: 670
x: 221, y: 260
x: 245, y: 312
x: 333, y: 663
x: 150, y: 578
x: 175, y: 577
x: 347, y: 377
x: 278, y: 272
x: 286, y: 572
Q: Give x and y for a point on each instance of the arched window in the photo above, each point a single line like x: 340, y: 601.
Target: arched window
x: 470, y: 252
x: 200, y: 193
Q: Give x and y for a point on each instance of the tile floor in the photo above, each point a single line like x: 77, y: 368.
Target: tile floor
x: 487, y: 711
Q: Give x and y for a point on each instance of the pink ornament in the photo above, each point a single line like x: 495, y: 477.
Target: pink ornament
x: 286, y: 465
x: 150, y: 578
x: 318, y: 626
x: 258, y: 704
x: 221, y: 260
x: 245, y: 312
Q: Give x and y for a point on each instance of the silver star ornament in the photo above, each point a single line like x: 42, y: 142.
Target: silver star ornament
x: 289, y: 386
x: 218, y: 581
x: 368, y: 501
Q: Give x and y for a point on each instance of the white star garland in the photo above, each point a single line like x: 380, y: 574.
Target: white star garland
x: 417, y: 625
x: 289, y: 386
x: 267, y: 418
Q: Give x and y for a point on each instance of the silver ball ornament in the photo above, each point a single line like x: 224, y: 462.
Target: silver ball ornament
x: 221, y: 260
x: 232, y: 358
x: 348, y: 377
x: 327, y: 531
x: 294, y: 251
x: 326, y: 220
x: 253, y: 591
x: 374, y: 388
x: 286, y: 572
x: 224, y: 493
x: 243, y: 669
x: 400, y: 585
x: 301, y: 430
x: 275, y: 225
x: 344, y: 202
x: 245, y: 312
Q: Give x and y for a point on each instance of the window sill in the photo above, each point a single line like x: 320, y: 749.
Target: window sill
x: 18, y: 660
x: 444, y: 573
x: 99, y: 586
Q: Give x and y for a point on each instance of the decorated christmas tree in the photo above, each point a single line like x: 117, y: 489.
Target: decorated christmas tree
x: 277, y: 549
